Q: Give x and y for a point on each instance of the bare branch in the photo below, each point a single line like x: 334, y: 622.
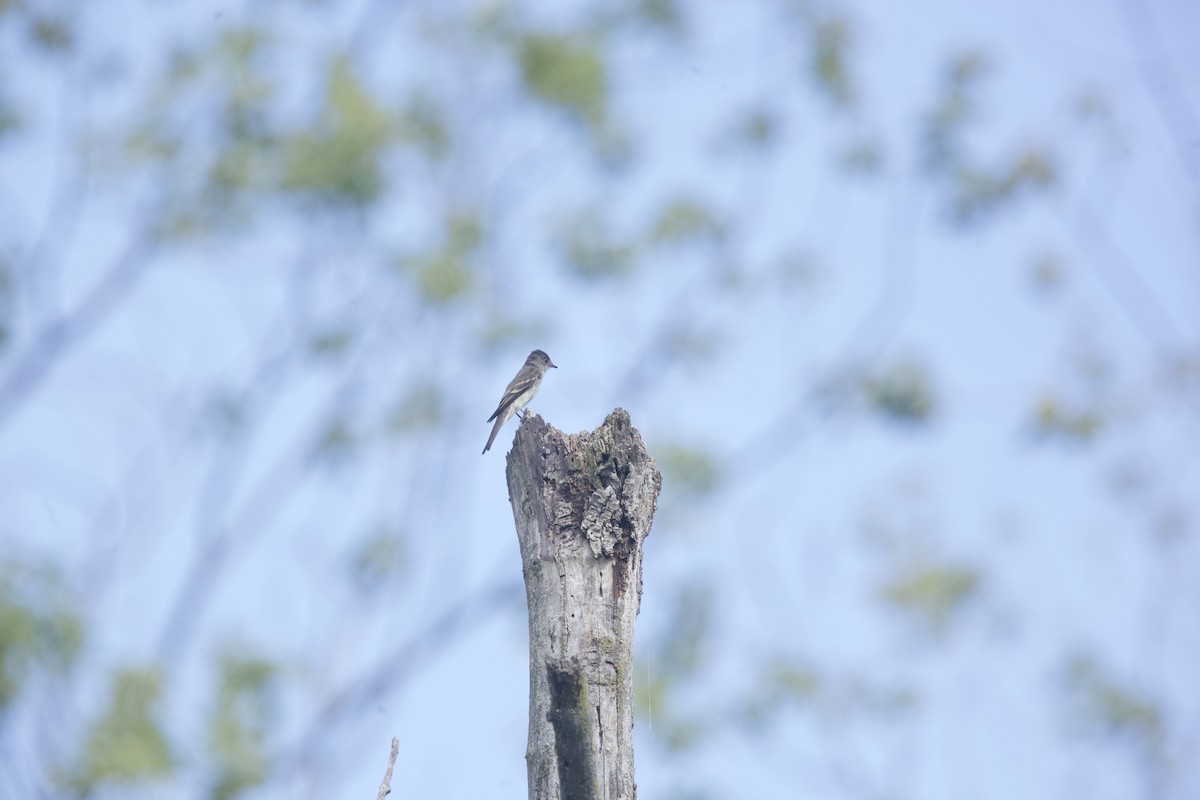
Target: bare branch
x: 385, y: 788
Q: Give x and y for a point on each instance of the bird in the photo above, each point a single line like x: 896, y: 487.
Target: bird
x: 520, y: 391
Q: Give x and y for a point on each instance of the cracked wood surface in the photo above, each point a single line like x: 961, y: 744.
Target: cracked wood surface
x: 583, y: 506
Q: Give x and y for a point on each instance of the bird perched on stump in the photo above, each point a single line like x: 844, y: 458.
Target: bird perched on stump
x: 520, y: 391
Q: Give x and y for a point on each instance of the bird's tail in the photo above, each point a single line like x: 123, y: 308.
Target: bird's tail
x: 495, y: 429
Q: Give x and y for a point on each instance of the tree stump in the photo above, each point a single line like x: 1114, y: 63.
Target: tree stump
x: 583, y: 506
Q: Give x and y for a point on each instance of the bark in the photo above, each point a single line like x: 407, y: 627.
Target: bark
x: 583, y: 506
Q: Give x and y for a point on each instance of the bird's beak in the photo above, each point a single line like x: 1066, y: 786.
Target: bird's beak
x: 553, y: 365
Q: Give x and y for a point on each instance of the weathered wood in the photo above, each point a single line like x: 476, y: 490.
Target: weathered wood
x: 573, y: 720
x: 583, y: 506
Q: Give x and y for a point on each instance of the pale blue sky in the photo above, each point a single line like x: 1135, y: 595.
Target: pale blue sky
x: 1065, y: 565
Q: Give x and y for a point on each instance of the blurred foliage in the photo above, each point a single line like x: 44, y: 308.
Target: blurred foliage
x: 1100, y: 705
x: 784, y: 684
x: 831, y: 39
x: 794, y: 269
x: 979, y: 192
x: 447, y: 272
x: 421, y: 123
x: 1048, y: 273
x: 861, y: 156
x: 935, y: 592
x: 755, y: 128
x: 331, y: 343
x: 781, y: 685
x: 678, y: 656
x: 40, y: 629
x: 377, y: 560
x: 51, y: 33
x: 955, y: 107
x: 976, y: 191
x: 336, y: 442
x: 1052, y: 418
x: 7, y: 300
x: 686, y: 341
x: 566, y: 71
x: 126, y: 745
x: 224, y: 415
x: 665, y: 15
x: 421, y: 407
x: 338, y: 162
x: 683, y: 221
x: 681, y: 651
x: 687, y: 469
x: 217, y: 162
x: 240, y: 724
x: 10, y: 117
x: 901, y: 391
x: 1080, y: 409
x: 590, y: 249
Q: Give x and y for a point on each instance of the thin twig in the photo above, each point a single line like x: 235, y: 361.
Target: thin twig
x: 385, y: 788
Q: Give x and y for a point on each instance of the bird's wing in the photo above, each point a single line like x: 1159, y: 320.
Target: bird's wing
x: 519, y: 386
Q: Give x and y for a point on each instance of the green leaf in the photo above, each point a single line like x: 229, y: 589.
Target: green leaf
x: 1048, y: 273
x: 421, y: 124
x: 52, y: 34
x: 830, y: 42
x: 332, y: 342
x: 421, y: 407
x: 902, y: 392
x: 688, y: 469
x: 1053, y: 418
x: 10, y: 118
x: 755, y: 128
x: 665, y: 15
x: 39, y: 626
x: 448, y: 272
x: 336, y: 441
x: 862, y: 156
x: 442, y: 277
x: 793, y: 681
x: 127, y: 743
x: 566, y: 71
x: 338, y: 161
x: 1104, y: 707
x: 244, y: 714
x: 17, y: 644
x: 376, y: 560
x: 955, y: 107
x: 684, y: 220
x: 935, y: 592
x: 590, y: 248
x: 977, y: 193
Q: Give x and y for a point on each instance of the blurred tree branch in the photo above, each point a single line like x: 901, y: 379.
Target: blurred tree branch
x: 54, y: 341
x: 355, y: 698
x: 1172, y: 103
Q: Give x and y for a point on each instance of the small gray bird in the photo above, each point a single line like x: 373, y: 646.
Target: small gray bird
x: 520, y: 391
